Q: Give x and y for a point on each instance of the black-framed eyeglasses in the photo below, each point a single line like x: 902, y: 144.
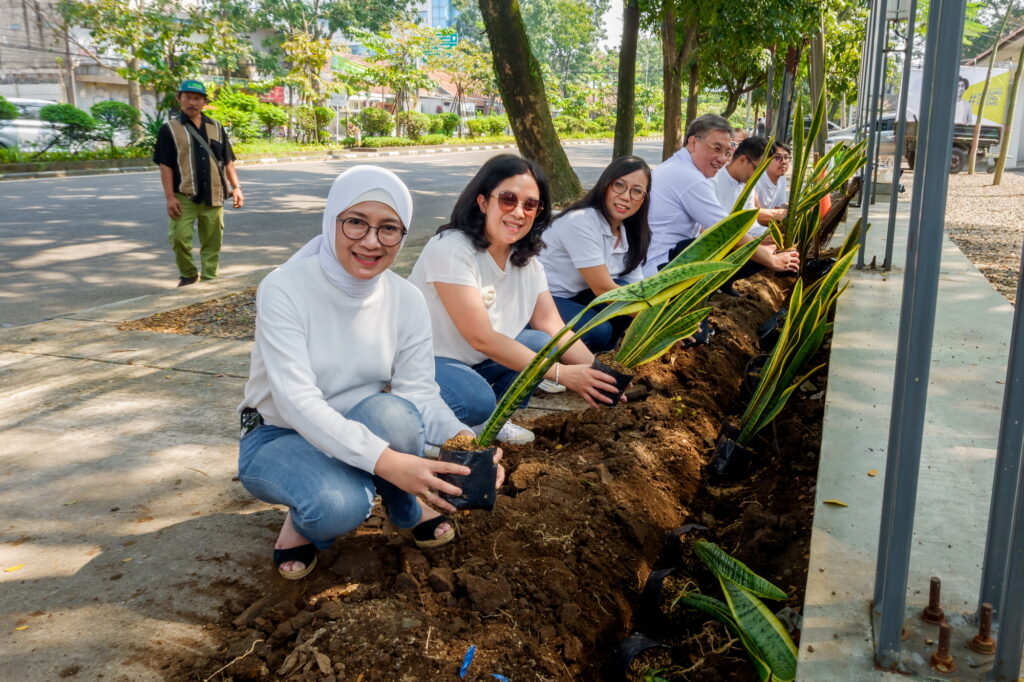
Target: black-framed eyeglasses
x: 635, y: 193
x: 719, y: 149
x: 508, y: 201
x: 782, y: 158
x: 388, y: 235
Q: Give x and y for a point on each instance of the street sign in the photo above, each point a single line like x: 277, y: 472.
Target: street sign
x: 338, y: 100
x: 449, y: 40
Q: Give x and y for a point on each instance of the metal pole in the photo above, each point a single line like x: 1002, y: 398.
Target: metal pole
x: 917, y: 321
x: 1011, y: 628
x: 879, y: 108
x: 901, y: 128
x: 874, y: 75
x: 1006, y: 486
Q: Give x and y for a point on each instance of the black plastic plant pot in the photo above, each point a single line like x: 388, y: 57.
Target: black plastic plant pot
x: 768, y: 332
x: 731, y: 461
x: 816, y: 268
x: 628, y: 651
x: 752, y: 373
x: 621, y: 381
x: 478, y: 486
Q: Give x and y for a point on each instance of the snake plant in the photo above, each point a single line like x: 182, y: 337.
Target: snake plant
x: 766, y: 640
x: 704, y: 263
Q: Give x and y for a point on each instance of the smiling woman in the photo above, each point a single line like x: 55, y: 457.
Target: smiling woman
x: 489, y: 303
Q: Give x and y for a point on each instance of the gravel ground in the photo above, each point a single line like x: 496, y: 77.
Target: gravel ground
x: 987, y: 223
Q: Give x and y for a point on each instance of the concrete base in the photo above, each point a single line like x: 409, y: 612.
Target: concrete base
x: 969, y: 357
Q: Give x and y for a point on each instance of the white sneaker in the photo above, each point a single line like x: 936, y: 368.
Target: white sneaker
x: 514, y: 435
x: 549, y: 386
x: 431, y: 451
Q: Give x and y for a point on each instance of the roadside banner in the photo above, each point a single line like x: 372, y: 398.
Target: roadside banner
x: 970, y: 83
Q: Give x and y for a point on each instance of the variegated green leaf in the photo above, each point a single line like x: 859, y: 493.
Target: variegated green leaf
x: 716, y: 241
x: 647, y: 347
x: 732, y: 569
x: 769, y: 637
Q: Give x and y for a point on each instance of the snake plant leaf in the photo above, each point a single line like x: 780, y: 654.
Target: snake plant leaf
x: 769, y: 637
x: 717, y: 240
x: 647, y: 344
x: 852, y: 240
x: 735, y: 571
x: 652, y: 290
x: 776, y: 234
x: 773, y: 410
x: 719, y: 610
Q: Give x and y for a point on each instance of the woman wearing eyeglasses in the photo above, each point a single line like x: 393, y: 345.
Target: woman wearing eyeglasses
x: 334, y: 331
x: 598, y: 244
x: 488, y: 298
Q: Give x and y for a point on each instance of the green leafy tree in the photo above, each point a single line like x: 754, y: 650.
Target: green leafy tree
x: 8, y: 111
x: 271, y: 116
x: 564, y: 34
x: 112, y: 118
x: 469, y: 67
x: 376, y: 122
x: 72, y: 127
x: 396, y: 58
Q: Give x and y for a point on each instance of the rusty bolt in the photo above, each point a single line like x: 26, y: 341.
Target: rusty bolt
x: 941, y: 660
x: 933, y: 613
x: 983, y: 642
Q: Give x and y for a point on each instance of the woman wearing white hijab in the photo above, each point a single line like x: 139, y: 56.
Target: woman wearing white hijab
x: 334, y: 330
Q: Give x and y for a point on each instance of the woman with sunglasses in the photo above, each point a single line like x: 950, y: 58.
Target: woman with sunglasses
x: 598, y: 244
x: 488, y: 298
x: 341, y: 393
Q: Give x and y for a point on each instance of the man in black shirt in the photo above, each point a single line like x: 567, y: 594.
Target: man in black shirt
x: 197, y: 171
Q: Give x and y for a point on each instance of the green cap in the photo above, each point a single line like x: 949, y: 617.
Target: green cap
x: 193, y: 86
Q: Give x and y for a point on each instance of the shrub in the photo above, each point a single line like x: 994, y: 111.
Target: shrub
x: 376, y: 122
x: 112, y: 118
x: 72, y: 129
x: 571, y: 124
x: 605, y: 122
x: 414, y: 124
x: 477, y: 126
x: 388, y: 142
x: 496, y: 124
x: 450, y: 123
x: 433, y: 139
x: 7, y: 110
x: 271, y: 116
x: 233, y: 99
x: 313, y: 122
x: 639, y: 125
x: 242, y: 125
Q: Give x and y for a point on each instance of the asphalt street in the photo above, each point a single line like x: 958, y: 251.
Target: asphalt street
x: 78, y: 242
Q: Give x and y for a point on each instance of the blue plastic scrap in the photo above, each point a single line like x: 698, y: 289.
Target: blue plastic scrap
x: 500, y: 678
x: 467, y: 660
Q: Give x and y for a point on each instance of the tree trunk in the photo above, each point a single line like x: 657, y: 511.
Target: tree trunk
x: 973, y: 155
x: 673, y: 57
x: 693, y: 91
x: 786, y: 93
x: 769, y: 93
x: 817, y: 69
x: 522, y: 90
x: 732, y: 103
x: 1008, y: 123
x: 625, y: 106
x: 135, y: 97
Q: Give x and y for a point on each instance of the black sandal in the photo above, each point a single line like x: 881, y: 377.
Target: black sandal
x: 423, y: 533
x: 304, y: 553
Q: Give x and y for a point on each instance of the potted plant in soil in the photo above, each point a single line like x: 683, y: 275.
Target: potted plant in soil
x: 765, y: 638
x: 703, y: 261
x: 802, y: 333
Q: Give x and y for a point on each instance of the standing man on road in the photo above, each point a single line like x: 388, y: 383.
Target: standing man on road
x: 197, y: 171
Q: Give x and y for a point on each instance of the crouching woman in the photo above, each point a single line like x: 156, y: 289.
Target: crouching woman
x: 341, y: 393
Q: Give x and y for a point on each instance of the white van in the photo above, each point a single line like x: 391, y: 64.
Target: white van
x: 26, y: 131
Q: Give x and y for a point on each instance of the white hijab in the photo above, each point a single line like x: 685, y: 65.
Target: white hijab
x: 357, y: 184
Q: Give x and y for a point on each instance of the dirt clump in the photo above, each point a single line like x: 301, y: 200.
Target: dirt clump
x: 547, y: 584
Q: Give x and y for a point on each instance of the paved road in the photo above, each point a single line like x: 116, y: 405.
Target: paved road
x: 74, y: 243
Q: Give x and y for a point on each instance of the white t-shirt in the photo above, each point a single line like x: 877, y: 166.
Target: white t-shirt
x: 683, y: 204
x: 509, y: 295
x: 318, y: 352
x: 582, y: 239
x: 770, y: 194
x: 728, y: 189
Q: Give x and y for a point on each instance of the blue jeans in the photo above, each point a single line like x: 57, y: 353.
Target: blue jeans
x: 605, y: 335
x: 327, y: 497
x: 472, y: 392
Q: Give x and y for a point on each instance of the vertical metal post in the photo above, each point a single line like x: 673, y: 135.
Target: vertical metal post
x: 917, y: 321
x: 1011, y: 628
x: 874, y: 75
x: 1007, y: 487
x: 901, y: 130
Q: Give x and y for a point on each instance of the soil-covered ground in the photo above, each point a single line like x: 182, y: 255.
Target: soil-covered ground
x: 546, y: 585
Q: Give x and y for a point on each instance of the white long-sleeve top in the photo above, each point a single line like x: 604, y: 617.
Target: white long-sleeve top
x: 318, y: 352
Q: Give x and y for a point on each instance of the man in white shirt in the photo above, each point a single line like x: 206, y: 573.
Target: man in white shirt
x: 683, y: 200
x: 772, y: 190
x: 730, y: 180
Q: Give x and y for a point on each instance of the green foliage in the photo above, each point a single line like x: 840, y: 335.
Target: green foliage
x: 482, y: 126
x: 112, y: 118
x: 55, y: 156
x: 7, y: 110
x: 242, y: 125
x: 413, y: 123
x: 766, y: 640
x: 72, y: 129
x: 376, y: 122
x: 235, y: 99
x: 151, y: 125
x: 607, y: 122
x: 433, y: 139
x: 313, y: 122
x: 395, y: 57
x: 571, y: 124
x: 388, y: 142
x: 271, y: 116
x: 477, y: 126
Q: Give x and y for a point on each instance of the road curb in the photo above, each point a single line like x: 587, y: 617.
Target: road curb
x: 327, y: 156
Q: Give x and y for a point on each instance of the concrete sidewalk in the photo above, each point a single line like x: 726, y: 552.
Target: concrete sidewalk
x: 969, y: 358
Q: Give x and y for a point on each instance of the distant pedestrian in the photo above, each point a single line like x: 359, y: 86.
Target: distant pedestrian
x: 197, y: 171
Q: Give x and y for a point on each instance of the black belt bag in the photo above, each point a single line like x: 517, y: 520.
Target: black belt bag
x: 249, y: 419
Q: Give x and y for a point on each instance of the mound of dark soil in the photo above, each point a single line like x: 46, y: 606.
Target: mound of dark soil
x: 549, y: 582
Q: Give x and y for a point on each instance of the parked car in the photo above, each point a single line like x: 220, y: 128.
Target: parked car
x: 26, y: 130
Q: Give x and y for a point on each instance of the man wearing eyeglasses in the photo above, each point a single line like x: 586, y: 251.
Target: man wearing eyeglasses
x: 771, y: 190
x: 683, y: 199
x: 732, y: 178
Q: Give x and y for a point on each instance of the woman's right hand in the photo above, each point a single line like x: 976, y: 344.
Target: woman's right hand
x: 418, y: 476
x: 588, y: 382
